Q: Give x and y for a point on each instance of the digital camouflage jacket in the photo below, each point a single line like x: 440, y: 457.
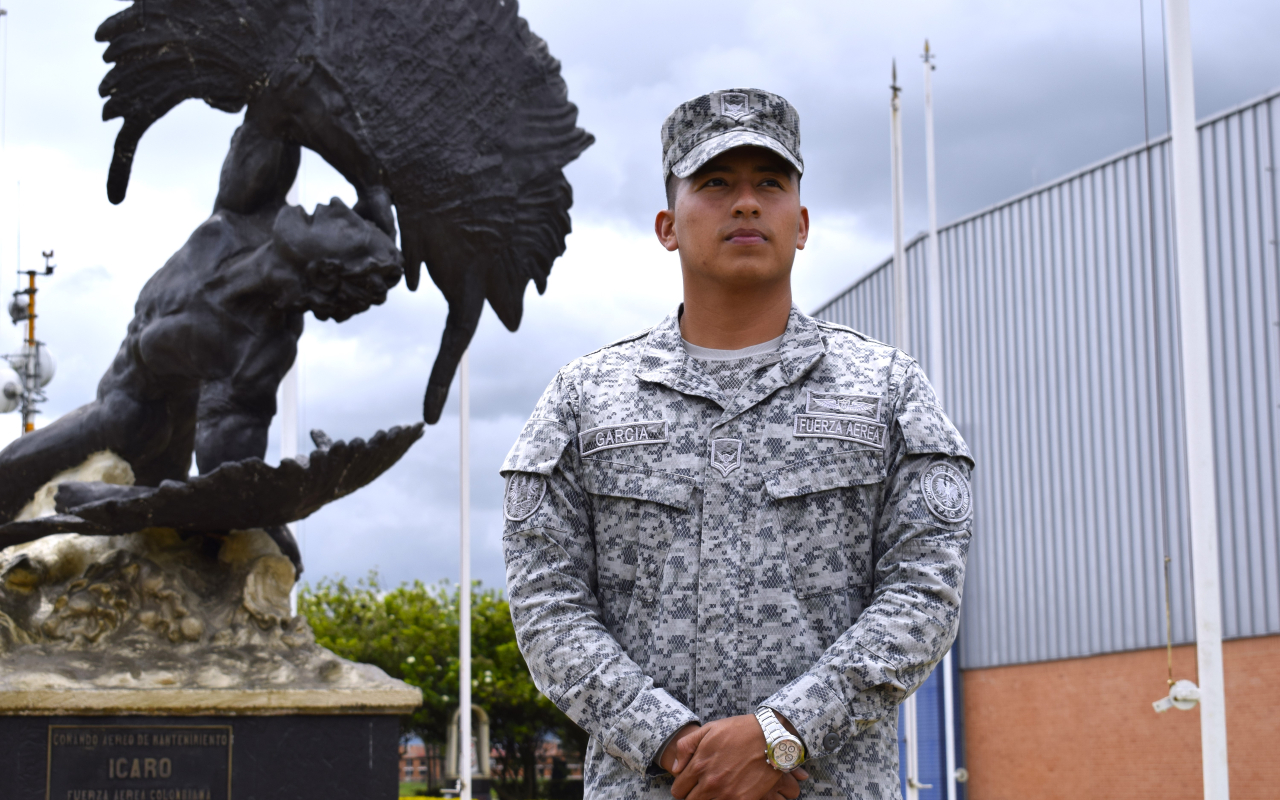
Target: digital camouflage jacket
x: 674, y: 554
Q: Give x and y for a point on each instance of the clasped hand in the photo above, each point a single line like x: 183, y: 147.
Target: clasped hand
x: 724, y: 760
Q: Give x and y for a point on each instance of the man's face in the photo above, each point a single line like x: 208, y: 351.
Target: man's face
x: 737, y: 221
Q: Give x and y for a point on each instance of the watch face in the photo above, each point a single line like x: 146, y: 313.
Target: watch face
x: 786, y: 753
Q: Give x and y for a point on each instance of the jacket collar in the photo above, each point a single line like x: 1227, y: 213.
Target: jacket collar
x: 664, y: 361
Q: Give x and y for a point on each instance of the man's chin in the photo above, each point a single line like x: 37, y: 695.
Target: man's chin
x: 751, y: 273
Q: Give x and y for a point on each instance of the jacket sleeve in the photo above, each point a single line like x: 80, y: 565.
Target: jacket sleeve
x: 921, y: 540
x: 549, y: 545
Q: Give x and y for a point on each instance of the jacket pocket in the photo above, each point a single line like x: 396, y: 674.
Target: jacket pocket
x: 637, y: 512
x: 823, y: 510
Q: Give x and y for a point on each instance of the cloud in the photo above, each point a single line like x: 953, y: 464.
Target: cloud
x: 1024, y: 92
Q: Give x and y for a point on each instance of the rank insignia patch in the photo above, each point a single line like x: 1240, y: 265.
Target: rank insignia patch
x: 855, y: 404
x: 627, y: 434
x: 726, y: 455
x: 734, y: 105
x: 525, y: 491
x: 946, y: 492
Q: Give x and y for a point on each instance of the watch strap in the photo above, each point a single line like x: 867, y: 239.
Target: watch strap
x: 774, y: 732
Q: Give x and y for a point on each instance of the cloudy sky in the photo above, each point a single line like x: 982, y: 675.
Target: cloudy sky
x: 1025, y: 91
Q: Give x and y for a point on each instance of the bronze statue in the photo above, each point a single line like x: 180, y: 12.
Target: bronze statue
x: 452, y: 111
x: 450, y: 119
x: 215, y: 330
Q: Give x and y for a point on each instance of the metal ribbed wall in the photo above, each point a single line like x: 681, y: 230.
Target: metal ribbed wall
x: 1060, y: 368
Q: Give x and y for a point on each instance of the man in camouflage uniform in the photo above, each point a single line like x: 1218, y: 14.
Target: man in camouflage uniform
x: 740, y: 509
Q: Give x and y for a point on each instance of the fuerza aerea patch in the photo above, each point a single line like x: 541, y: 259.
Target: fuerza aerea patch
x: 850, y: 429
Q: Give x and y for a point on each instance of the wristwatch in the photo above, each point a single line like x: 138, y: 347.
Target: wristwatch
x: 783, y: 749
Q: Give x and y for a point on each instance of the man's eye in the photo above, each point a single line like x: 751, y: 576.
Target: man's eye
x: 715, y: 182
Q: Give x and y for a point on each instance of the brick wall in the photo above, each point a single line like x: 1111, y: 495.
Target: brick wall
x: 1084, y: 728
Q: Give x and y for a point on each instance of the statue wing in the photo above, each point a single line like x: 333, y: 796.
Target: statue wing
x: 167, y: 51
x: 471, y: 121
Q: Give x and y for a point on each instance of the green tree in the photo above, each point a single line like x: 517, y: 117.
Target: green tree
x: 411, y: 633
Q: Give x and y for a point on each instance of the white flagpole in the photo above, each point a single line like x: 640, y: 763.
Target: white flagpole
x: 900, y: 326
x: 289, y: 416
x: 933, y: 269
x: 933, y: 277
x: 1202, y: 491
x: 464, y: 595
x: 900, y: 332
x: 289, y: 386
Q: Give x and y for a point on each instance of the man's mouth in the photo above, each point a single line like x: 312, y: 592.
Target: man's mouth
x: 746, y: 236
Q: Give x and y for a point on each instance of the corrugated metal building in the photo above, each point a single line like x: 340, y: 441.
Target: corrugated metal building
x: 1060, y: 369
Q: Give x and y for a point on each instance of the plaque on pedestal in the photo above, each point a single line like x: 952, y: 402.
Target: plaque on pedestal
x: 153, y: 667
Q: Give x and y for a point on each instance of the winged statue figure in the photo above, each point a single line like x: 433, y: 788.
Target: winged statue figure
x: 451, y: 121
x: 452, y: 112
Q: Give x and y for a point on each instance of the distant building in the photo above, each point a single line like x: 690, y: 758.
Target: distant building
x: 424, y: 763
x: 1060, y: 369
x: 421, y: 763
x: 553, y: 763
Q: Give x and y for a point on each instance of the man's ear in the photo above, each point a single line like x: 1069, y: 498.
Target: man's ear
x: 665, y: 227
x: 804, y: 228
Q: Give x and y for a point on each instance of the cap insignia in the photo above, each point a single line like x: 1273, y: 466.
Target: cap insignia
x: 734, y: 105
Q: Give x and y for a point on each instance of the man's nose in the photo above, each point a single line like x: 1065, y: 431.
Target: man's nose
x: 746, y: 204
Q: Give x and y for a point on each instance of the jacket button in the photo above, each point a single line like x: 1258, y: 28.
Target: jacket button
x: 830, y: 742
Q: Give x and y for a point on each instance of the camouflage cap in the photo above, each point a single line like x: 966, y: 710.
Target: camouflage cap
x: 704, y: 127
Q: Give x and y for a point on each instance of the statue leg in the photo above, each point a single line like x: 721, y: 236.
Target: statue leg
x: 283, y: 537
x: 32, y: 460
x: 170, y: 459
x: 231, y: 426
x: 151, y: 428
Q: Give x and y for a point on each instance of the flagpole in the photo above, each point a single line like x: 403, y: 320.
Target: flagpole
x: 901, y: 328
x: 933, y: 280
x: 900, y: 322
x: 289, y: 418
x: 933, y: 269
x: 1202, y: 492
x: 464, y: 594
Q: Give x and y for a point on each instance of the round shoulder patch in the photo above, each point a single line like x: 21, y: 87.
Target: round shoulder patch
x: 525, y: 491
x: 946, y: 492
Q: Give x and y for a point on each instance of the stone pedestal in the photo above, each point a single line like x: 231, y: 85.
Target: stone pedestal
x: 286, y: 757
x: 157, y: 667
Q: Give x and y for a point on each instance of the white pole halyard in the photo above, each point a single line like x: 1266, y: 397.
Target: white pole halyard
x: 1202, y: 490
x: 464, y: 589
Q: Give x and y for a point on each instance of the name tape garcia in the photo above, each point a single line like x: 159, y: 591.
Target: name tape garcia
x: 627, y: 434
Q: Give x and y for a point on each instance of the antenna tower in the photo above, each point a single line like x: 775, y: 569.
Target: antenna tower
x: 34, y: 364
